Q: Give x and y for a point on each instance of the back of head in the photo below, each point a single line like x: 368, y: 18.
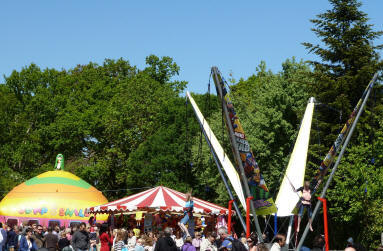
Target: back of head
x: 262, y: 247
x: 50, y: 229
x: 103, y: 228
x: 222, y: 230
x: 167, y: 232
x: 63, y: 234
x: 188, y: 239
x: 120, y: 235
x: 318, y: 242
x: 149, y: 241
x: 254, y: 239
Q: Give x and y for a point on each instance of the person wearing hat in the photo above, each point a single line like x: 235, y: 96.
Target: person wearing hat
x: 229, y: 242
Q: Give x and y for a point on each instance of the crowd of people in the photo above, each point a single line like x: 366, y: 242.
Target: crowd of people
x: 101, y: 237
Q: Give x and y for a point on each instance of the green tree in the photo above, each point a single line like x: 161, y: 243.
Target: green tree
x: 96, y: 115
x: 348, y: 60
x: 270, y: 107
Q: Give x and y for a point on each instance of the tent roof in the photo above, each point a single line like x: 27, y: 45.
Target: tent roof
x: 158, y: 199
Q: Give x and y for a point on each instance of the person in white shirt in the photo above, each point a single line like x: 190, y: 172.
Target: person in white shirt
x: 179, y: 240
x: 131, y: 241
x: 208, y: 243
x: 197, y: 241
x: 280, y: 241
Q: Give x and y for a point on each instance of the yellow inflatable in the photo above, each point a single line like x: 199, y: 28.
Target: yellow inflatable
x: 51, y: 198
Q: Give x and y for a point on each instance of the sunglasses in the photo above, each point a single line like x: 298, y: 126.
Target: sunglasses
x: 249, y: 241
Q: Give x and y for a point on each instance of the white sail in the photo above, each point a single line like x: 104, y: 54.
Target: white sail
x: 223, y: 158
x: 287, y: 198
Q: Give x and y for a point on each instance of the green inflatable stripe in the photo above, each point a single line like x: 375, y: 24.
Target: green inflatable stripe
x: 58, y: 180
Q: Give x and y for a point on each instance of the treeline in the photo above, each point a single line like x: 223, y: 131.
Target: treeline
x: 122, y: 128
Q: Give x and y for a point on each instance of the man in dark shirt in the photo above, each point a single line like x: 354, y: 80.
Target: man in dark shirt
x: 38, y: 236
x: 80, y: 239
x: 12, y: 238
x: 166, y: 243
x: 51, y: 240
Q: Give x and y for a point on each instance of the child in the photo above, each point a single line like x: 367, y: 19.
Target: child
x: 305, y: 203
x: 188, y: 214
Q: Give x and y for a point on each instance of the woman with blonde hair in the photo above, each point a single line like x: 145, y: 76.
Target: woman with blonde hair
x: 119, y: 243
x: 188, y: 246
x: 149, y: 244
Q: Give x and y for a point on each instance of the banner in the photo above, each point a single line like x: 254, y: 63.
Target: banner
x: 263, y: 202
x: 287, y: 198
x: 226, y: 164
x: 329, y: 159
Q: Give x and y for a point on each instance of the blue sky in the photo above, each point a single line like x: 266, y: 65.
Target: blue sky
x: 233, y: 35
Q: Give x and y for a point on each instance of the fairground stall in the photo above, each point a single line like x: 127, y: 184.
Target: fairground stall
x: 51, y: 198
x: 159, y: 207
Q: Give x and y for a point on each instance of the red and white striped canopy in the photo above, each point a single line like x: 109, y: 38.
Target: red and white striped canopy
x: 159, y: 199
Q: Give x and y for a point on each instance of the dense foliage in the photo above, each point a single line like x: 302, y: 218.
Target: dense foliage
x: 123, y: 129
x: 349, y: 59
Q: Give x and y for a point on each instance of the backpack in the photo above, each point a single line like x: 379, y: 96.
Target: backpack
x: 237, y: 245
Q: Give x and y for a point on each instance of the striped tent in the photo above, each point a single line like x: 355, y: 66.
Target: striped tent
x: 158, y: 199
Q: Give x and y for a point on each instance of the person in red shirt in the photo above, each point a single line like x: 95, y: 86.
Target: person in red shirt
x: 105, y: 238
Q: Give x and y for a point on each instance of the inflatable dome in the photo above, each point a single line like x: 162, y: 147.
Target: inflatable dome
x: 51, y: 198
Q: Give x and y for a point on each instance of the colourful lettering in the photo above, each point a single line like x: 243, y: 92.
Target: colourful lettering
x: 28, y: 211
x: 76, y: 212
x: 61, y: 212
x: 36, y: 211
x: 53, y: 211
x: 44, y: 210
x: 68, y: 212
x: 80, y: 213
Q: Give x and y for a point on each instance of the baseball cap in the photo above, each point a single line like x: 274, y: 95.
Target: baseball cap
x: 226, y: 244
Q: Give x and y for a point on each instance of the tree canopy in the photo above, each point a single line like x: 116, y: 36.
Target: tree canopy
x: 123, y: 129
